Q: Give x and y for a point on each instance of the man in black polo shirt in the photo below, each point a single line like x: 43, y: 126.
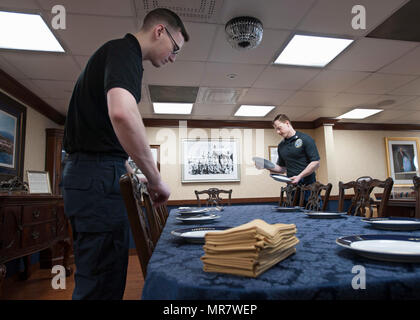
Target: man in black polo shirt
x: 103, y: 127
x: 298, y: 154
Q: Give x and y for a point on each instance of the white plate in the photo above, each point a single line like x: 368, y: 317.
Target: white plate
x: 289, y: 209
x: 203, y: 218
x: 263, y: 163
x: 323, y: 214
x: 396, y: 248
x: 195, y: 235
x: 392, y: 223
x: 281, y: 178
x: 193, y: 211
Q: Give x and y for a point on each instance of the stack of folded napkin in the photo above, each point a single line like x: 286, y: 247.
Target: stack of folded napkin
x: 249, y: 249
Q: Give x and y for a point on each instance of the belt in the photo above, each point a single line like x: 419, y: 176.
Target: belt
x: 95, y: 156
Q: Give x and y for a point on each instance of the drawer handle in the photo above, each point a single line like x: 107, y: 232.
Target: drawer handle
x: 36, y: 214
x: 35, y: 235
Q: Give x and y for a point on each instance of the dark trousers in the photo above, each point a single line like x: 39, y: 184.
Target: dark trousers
x: 93, y: 203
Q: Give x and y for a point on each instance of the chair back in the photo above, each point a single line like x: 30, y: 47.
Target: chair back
x: 289, y: 196
x: 214, y: 196
x: 314, y: 202
x: 416, y: 182
x: 362, y: 203
x: 130, y: 188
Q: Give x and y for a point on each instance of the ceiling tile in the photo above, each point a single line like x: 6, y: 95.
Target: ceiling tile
x: 216, y: 75
x: 56, y: 89
x: 272, y: 13
x: 352, y: 100
x: 93, y: 7
x: 220, y: 110
x: 369, y: 54
x: 309, y: 99
x: 100, y: 30
x: 265, y: 96
x: 334, y: 81
x: 323, y: 112
x: 380, y: 83
x: 294, y: 113
x: 201, y: 40
x: 21, y: 4
x: 44, y: 65
x: 335, y: 17
x: 408, y: 64
x: 286, y: 78
x: 412, y: 87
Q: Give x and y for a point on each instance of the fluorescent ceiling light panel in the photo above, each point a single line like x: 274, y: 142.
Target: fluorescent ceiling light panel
x: 312, y: 51
x: 359, y: 113
x: 172, y: 108
x: 24, y: 31
x: 253, y: 111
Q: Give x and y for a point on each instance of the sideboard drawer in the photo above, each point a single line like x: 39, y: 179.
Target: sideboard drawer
x: 38, y: 234
x: 38, y: 213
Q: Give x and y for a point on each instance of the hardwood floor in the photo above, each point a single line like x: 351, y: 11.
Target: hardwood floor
x: 38, y: 286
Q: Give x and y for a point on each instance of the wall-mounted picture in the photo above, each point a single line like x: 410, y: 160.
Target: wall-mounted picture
x: 402, y: 159
x: 12, y: 136
x: 155, y: 149
x: 210, y: 160
x: 273, y: 154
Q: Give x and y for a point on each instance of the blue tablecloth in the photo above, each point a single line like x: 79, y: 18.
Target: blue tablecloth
x: 320, y: 269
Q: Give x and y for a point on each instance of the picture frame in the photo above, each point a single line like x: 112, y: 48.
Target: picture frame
x: 210, y: 160
x: 38, y: 182
x: 273, y: 154
x: 155, y: 149
x: 12, y: 136
x: 402, y: 156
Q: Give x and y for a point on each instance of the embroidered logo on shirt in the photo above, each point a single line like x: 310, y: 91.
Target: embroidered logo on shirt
x: 298, y: 143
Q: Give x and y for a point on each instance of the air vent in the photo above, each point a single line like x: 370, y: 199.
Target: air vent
x: 193, y: 11
x: 173, y: 94
x: 219, y: 95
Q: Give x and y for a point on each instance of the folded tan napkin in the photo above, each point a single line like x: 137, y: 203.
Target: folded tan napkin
x: 249, y: 249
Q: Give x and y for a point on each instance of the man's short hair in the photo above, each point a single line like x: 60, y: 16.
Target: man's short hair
x: 167, y: 17
x: 282, y: 118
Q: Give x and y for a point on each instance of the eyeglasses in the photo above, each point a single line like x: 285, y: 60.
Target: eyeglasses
x: 176, y: 47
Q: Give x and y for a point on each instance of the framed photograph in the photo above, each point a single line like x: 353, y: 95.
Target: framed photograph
x: 273, y: 154
x: 12, y: 136
x: 39, y: 182
x: 210, y: 160
x: 402, y: 155
x: 156, y: 156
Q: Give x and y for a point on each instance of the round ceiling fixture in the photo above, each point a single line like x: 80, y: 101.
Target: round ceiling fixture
x: 244, y: 32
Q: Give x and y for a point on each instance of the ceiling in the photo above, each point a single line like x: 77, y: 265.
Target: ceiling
x: 371, y: 72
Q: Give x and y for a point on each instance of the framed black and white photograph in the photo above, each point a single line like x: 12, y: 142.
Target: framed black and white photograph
x: 12, y: 136
x: 155, y: 149
x: 402, y: 159
x: 210, y: 160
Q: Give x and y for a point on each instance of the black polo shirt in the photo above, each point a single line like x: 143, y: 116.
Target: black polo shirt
x: 118, y: 63
x: 295, y: 153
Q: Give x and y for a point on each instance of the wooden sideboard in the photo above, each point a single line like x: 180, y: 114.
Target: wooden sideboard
x: 401, y: 208
x: 32, y: 223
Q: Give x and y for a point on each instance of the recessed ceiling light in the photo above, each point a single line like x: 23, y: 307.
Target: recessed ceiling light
x: 359, y: 113
x: 253, y: 111
x: 172, y: 108
x: 23, y: 31
x: 312, y: 51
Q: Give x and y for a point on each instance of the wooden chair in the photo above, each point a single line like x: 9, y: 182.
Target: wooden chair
x: 154, y: 217
x: 362, y: 204
x: 214, y: 198
x: 416, y: 182
x: 314, y: 200
x: 130, y: 188
x: 289, y: 196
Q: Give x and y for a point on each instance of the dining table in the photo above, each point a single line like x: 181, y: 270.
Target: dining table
x: 319, y: 269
